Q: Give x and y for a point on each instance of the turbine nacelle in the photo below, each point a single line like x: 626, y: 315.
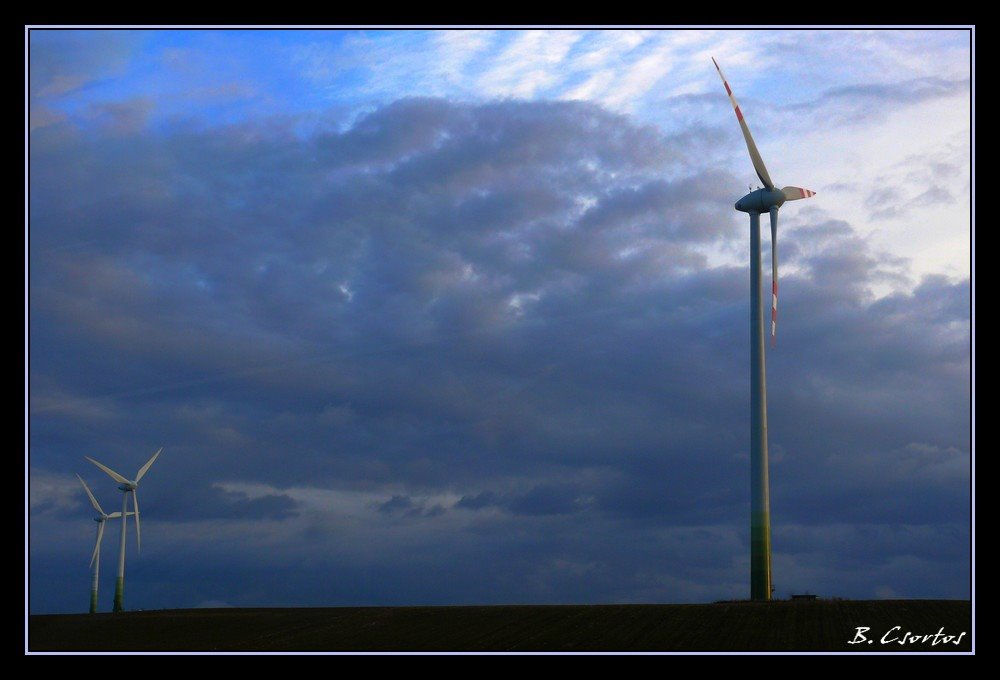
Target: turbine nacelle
x: 761, y: 201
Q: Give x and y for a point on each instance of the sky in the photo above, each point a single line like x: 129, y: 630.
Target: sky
x: 461, y: 317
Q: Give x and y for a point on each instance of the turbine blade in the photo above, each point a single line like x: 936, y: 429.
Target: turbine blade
x: 138, y: 529
x: 758, y: 162
x: 93, y: 501
x: 145, y: 467
x: 774, y: 273
x: 796, y: 193
x: 97, y: 546
x: 111, y: 473
x: 115, y: 515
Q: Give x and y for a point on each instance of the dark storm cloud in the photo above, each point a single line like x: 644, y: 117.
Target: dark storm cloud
x: 505, y: 305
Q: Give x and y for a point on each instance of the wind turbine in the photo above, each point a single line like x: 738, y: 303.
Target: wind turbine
x: 95, y: 559
x: 128, y: 486
x: 766, y: 199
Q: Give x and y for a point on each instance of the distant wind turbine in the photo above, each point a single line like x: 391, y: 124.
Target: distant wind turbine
x: 767, y: 199
x: 95, y: 559
x: 128, y: 486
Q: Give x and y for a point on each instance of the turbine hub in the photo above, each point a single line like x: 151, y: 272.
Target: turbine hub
x: 761, y: 201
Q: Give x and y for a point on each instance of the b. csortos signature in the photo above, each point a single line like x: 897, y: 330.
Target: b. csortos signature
x: 895, y: 636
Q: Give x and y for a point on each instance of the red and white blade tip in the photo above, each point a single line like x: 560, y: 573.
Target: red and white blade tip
x: 797, y: 193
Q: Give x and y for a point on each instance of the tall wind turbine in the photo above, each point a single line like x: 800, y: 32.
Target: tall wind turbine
x: 95, y: 559
x: 767, y: 199
x: 128, y: 486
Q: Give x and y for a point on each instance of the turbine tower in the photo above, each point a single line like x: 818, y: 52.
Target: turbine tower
x: 128, y: 486
x: 95, y: 559
x: 764, y: 200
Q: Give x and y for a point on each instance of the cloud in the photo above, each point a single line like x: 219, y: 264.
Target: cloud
x: 474, y: 352
x: 541, y: 500
x: 852, y: 103
x: 55, y: 492
x: 886, y: 202
x: 65, y: 60
x: 40, y: 116
x: 123, y: 117
x: 479, y: 501
x: 838, y: 110
x: 199, y: 502
x: 404, y: 505
x: 934, y: 195
x: 529, y: 62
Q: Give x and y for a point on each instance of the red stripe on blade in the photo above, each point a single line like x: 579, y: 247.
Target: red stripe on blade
x: 728, y: 91
x: 739, y: 114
